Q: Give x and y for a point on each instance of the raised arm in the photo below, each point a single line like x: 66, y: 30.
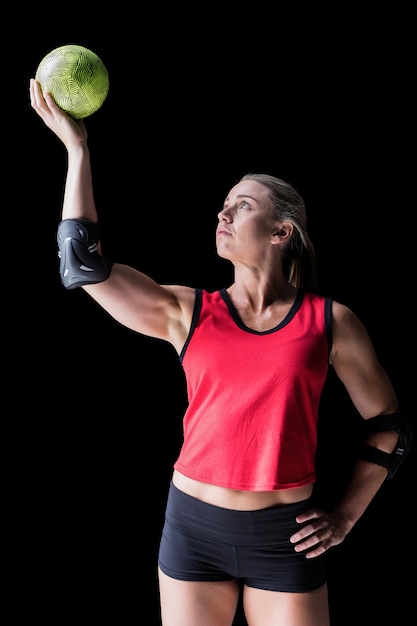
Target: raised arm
x: 131, y: 297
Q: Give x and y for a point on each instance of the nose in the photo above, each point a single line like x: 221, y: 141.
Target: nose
x: 224, y: 215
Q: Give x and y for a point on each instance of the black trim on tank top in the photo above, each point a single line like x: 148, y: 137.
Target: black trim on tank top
x: 293, y: 310
x: 196, y: 314
x: 328, y: 322
x: 296, y: 305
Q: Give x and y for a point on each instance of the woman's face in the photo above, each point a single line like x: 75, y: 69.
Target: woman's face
x: 245, y: 229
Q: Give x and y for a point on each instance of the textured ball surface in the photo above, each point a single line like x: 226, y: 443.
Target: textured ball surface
x: 76, y: 78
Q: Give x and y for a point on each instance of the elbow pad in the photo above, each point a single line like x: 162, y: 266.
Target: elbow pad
x: 80, y: 263
x: 391, y: 461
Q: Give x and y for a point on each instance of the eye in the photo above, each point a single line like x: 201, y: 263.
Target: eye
x: 244, y: 205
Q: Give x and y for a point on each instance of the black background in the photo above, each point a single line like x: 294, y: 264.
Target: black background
x: 196, y: 100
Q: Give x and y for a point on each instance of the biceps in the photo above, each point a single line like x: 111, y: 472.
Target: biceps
x: 367, y: 384
x: 135, y: 301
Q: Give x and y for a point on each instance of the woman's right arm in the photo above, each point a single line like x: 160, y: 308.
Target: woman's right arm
x: 131, y: 297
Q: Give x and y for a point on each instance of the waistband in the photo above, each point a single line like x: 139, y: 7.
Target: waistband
x: 193, y: 516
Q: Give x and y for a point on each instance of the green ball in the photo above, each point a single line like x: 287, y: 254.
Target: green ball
x: 76, y: 78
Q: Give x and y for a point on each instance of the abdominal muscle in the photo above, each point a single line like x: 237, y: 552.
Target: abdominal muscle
x: 236, y: 499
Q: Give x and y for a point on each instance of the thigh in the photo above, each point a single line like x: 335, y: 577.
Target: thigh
x: 268, y: 608
x: 187, y: 603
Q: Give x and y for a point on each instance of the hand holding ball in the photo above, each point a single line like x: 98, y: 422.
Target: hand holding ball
x: 76, y: 78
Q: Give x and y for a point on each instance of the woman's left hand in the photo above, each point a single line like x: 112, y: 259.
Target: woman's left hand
x: 324, y: 531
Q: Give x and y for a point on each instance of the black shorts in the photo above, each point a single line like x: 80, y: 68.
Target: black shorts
x: 202, y: 542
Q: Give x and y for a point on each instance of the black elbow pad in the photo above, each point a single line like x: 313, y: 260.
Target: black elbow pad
x: 80, y: 263
x: 391, y: 461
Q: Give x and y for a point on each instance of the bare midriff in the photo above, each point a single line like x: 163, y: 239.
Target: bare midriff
x: 236, y: 499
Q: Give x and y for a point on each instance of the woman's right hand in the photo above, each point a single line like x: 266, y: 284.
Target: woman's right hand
x: 71, y: 132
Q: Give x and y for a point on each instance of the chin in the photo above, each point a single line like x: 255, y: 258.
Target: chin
x: 223, y: 255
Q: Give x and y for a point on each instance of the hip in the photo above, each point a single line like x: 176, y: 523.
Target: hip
x: 239, y: 500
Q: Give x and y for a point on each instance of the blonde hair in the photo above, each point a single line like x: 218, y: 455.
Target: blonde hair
x: 288, y: 206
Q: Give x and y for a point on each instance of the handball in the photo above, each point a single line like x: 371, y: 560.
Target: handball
x: 76, y: 78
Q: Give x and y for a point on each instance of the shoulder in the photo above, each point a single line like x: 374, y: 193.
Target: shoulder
x: 342, y: 313
x: 349, y: 332
x: 344, y: 318
x: 183, y: 296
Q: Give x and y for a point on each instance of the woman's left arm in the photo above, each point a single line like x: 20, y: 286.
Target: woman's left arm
x: 385, y: 446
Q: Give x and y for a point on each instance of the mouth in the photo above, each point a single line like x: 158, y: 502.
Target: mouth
x: 222, y: 231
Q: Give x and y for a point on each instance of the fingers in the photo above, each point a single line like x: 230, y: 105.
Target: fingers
x: 310, y: 539
x: 319, y: 535
x: 37, y: 100
x: 70, y: 132
x: 320, y: 549
x: 34, y: 89
x: 311, y: 514
x: 43, y: 103
x: 309, y: 536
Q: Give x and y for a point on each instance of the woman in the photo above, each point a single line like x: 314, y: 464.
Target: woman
x: 240, y: 510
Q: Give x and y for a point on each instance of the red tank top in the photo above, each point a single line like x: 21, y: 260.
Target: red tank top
x: 253, y: 397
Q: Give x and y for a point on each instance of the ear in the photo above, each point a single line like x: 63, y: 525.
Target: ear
x: 282, y: 232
